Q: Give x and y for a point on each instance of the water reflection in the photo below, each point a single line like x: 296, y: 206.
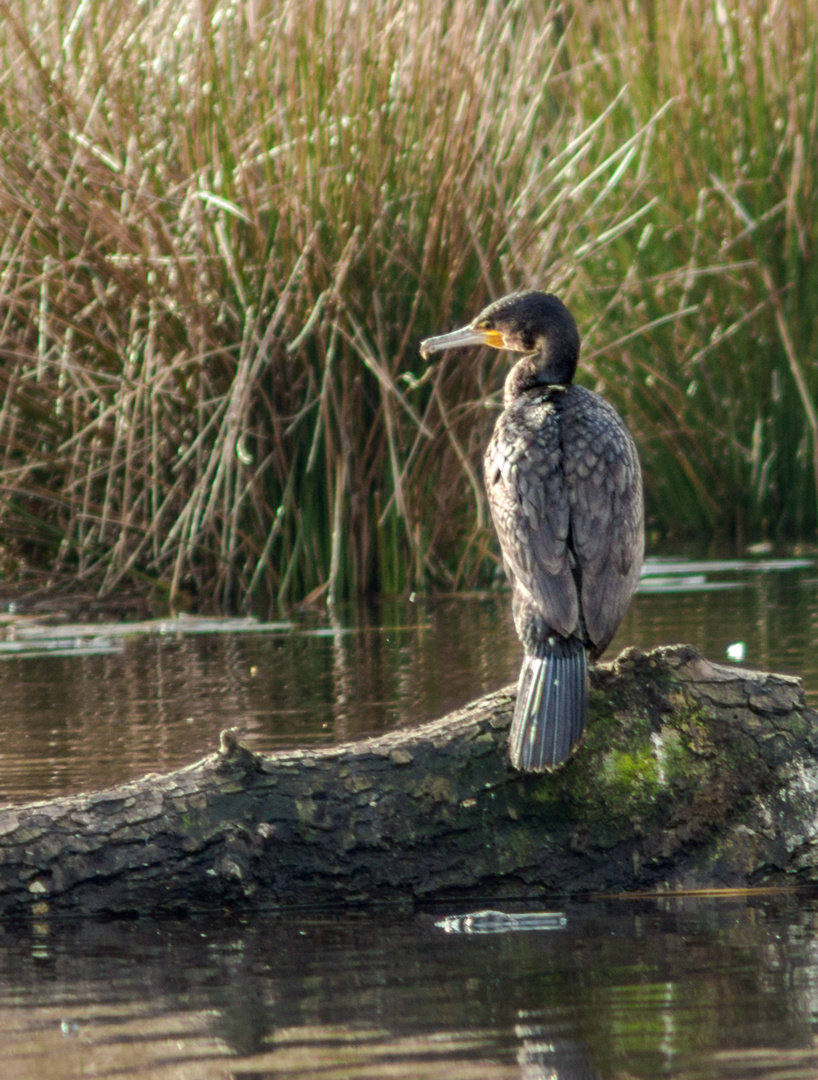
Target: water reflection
x: 547, y: 1050
x: 154, y: 702
x: 688, y: 988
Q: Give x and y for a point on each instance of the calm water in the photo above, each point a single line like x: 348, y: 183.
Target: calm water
x: 715, y: 988
x: 154, y: 701
x: 722, y: 989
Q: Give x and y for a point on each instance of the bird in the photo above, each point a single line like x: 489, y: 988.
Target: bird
x: 564, y: 487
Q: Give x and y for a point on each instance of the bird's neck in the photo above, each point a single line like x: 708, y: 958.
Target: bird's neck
x: 537, y: 373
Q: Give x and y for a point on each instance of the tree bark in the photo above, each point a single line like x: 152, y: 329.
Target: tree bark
x: 690, y: 775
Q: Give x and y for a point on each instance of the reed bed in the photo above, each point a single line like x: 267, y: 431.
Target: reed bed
x: 225, y: 227
x: 723, y: 399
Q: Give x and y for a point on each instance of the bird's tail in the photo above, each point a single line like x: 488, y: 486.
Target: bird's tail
x: 552, y: 697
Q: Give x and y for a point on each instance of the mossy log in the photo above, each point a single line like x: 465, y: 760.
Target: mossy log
x: 690, y: 775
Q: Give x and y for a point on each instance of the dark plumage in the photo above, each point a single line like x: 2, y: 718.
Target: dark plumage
x: 565, y: 492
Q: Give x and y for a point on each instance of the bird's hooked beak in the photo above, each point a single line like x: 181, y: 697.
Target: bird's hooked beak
x: 458, y: 339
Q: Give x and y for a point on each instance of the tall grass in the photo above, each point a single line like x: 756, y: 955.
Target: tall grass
x: 225, y: 226
x: 723, y: 399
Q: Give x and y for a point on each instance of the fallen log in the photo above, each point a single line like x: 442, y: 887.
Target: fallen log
x: 690, y: 775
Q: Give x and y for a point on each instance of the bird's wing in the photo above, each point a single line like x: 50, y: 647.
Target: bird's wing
x: 607, y: 530
x: 529, y: 503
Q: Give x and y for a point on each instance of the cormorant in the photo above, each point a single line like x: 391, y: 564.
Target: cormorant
x: 565, y: 491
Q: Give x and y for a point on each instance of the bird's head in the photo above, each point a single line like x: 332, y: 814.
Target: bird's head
x: 534, y: 323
